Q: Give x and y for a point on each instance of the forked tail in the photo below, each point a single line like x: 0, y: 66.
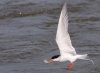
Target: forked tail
x: 84, y: 57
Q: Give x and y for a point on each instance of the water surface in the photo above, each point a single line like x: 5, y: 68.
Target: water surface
x: 27, y: 35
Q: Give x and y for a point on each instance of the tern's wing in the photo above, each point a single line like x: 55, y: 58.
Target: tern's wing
x: 62, y: 36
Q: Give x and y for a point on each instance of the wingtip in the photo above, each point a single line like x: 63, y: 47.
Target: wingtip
x: 65, y: 4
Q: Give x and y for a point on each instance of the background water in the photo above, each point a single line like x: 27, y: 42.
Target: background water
x: 27, y: 35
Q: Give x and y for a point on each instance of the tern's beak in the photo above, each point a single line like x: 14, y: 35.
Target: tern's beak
x: 50, y: 61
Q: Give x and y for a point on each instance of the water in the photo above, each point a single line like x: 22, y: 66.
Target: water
x: 27, y: 35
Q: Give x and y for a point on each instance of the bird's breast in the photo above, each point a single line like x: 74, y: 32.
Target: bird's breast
x: 67, y: 58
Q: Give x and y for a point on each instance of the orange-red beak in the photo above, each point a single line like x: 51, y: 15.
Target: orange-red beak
x: 50, y: 61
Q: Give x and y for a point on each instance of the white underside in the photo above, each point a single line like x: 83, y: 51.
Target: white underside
x: 70, y: 57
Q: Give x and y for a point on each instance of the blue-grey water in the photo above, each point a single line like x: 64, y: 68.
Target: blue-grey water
x: 28, y: 29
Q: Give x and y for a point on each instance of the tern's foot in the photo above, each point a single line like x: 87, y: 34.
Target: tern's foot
x: 70, y: 66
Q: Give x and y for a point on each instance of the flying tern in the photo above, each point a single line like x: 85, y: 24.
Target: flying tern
x: 67, y: 51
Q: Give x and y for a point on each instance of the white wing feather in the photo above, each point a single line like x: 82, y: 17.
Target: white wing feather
x: 62, y: 36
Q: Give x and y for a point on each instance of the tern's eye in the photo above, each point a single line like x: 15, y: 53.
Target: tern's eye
x: 56, y: 56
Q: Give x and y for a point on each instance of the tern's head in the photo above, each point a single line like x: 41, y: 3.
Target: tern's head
x: 54, y: 58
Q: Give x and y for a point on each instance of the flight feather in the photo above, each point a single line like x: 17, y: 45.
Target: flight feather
x: 62, y: 37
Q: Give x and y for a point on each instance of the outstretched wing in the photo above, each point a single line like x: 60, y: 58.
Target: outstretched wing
x: 62, y: 36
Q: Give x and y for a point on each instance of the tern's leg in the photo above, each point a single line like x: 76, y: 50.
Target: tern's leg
x: 70, y: 66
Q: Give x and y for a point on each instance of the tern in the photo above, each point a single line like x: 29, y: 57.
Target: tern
x: 67, y: 51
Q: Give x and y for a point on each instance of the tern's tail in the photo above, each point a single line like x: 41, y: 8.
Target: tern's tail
x: 84, y: 57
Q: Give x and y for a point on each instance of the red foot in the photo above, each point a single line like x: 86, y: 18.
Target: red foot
x: 70, y: 66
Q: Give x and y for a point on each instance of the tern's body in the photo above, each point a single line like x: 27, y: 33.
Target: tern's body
x: 69, y: 57
x: 67, y: 51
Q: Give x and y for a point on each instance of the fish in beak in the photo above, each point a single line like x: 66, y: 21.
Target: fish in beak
x: 48, y: 61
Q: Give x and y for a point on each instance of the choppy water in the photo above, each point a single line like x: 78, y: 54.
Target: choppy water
x: 27, y: 35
